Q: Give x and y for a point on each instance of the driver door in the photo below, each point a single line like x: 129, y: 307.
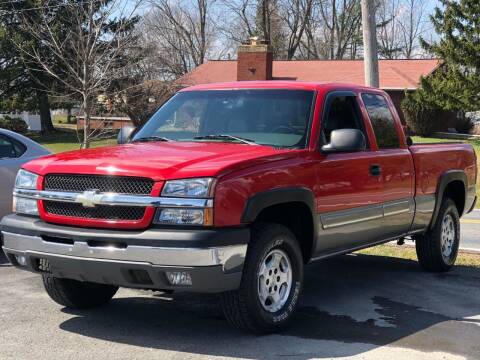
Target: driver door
x: 349, y: 187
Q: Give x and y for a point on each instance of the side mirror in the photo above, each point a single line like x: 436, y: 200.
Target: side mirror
x: 345, y: 140
x: 125, y: 134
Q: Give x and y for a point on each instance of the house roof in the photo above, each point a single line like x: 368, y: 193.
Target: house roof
x: 394, y: 74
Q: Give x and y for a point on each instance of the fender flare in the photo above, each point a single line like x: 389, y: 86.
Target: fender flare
x: 260, y: 201
x: 445, y: 179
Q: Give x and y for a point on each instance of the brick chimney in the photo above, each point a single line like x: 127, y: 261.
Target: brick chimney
x: 254, y: 60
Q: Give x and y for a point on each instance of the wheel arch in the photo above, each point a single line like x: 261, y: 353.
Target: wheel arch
x: 272, y: 205
x: 452, y: 184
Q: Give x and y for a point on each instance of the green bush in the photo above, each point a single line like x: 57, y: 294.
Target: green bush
x: 420, y: 114
x: 13, y: 124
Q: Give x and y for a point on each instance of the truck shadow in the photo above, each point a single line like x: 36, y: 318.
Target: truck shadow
x: 350, y: 305
x: 3, y: 259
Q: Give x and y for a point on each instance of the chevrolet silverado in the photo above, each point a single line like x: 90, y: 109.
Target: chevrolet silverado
x: 232, y: 188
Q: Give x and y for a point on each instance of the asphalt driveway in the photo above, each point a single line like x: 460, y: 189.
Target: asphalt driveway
x: 355, y: 306
x: 470, y: 231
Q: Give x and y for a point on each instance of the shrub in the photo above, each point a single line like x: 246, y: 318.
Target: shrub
x: 420, y: 114
x: 464, y: 123
x: 13, y: 123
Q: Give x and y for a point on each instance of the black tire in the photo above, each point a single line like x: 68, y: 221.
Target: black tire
x: 76, y: 294
x: 429, y: 245
x: 243, y: 308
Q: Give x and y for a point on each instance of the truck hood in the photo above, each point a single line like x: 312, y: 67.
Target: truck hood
x: 158, y: 161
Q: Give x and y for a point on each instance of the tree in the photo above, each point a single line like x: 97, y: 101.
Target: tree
x: 90, y: 51
x: 182, y: 32
x: 400, y: 24
x: 457, y: 86
x: 22, y: 85
x: 295, y: 14
x: 341, y: 23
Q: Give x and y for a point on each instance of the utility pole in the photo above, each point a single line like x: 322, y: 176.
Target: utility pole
x: 370, y: 52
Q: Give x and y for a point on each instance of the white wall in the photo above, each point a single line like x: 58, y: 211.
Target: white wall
x: 33, y: 121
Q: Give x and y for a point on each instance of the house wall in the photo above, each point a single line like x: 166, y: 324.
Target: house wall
x: 113, y: 123
x: 397, y: 97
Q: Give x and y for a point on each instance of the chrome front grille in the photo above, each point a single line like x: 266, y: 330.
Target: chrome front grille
x: 115, y: 184
x: 103, y: 184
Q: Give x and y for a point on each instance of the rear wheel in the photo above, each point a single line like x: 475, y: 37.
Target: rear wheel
x: 271, y: 283
x: 437, y: 249
x: 76, y: 294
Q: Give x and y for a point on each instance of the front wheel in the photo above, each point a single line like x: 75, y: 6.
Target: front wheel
x: 76, y: 294
x: 271, y: 283
x: 438, y: 248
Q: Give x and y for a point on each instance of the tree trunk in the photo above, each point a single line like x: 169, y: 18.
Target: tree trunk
x: 86, y: 123
x: 69, y: 115
x: 44, y: 108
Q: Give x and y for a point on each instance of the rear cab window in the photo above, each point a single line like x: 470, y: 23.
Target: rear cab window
x: 382, y: 120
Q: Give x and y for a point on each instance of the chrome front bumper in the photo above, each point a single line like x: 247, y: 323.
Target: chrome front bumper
x: 228, y: 257
x: 111, y: 257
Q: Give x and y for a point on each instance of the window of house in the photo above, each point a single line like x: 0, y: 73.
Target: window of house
x: 10, y: 148
x: 342, y: 113
x: 382, y: 121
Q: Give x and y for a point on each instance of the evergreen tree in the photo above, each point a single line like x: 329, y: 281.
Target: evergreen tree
x: 22, y: 87
x: 456, y: 86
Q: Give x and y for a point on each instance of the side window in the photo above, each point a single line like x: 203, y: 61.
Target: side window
x: 342, y: 113
x: 10, y: 148
x: 382, y: 121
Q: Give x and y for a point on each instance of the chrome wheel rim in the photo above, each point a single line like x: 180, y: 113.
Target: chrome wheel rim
x: 274, y: 280
x: 448, y: 236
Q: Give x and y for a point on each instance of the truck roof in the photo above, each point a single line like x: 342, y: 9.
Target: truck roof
x: 278, y: 84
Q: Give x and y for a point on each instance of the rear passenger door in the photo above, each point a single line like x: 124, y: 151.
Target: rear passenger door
x: 396, y: 165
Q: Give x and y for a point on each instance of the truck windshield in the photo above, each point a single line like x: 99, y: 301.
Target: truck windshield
x: 277, y: 118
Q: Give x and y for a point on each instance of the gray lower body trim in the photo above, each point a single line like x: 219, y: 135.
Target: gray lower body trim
x: 367, y: 213
x: 347, y: 230
x: 424, y: 207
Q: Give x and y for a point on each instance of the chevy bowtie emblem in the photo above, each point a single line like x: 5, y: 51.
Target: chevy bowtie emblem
x: 88, y: 198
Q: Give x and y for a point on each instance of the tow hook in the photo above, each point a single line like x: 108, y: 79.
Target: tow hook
x: 401, y: 241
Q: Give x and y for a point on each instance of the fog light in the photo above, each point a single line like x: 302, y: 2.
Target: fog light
x: 179, y: 278
x: 21, y: 260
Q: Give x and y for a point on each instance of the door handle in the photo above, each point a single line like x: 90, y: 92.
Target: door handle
x: 375, y: 170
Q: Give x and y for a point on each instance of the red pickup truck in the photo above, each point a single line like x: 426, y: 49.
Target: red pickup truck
x: 232, y: 188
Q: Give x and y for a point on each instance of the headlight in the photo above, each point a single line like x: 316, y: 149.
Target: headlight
x: 26, y: 180
x: 25, y: 206
x: 185, y: 216
x: 194, y: 188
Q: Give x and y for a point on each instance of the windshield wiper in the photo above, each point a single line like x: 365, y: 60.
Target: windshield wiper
x: 225, y: 137
x: 151, y: 138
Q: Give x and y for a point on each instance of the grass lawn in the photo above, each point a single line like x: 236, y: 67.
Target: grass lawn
x: 65, y: 139
x: 408, y: 253
x: 475, y: 143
